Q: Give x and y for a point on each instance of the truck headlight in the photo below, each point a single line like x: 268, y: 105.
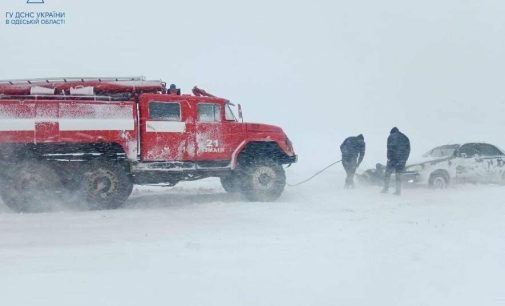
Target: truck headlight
x: 288, y: 142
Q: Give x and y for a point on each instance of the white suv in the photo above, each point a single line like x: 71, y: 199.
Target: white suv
x: 470, y: 162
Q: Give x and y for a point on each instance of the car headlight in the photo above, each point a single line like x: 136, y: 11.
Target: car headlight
x: 414, y: 168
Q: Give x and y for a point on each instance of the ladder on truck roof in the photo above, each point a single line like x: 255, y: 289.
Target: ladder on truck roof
x: 71, y: 79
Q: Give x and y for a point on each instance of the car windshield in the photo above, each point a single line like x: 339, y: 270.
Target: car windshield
x: 228, y: 113
x: 442, y: 151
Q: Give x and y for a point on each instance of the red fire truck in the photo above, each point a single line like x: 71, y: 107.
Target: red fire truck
x: 94, y: 138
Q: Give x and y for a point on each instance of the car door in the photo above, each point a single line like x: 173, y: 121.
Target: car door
x: 164, y: 130
x: 468, y: 167
x: 491, y: 160
x: 477, y: 162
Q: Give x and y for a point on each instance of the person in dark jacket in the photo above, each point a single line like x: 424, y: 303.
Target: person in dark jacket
x: 353, y: 152
x: 173, y: 90
x: 398, y: 154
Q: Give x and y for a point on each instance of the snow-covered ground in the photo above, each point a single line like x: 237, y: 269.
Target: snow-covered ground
x: 318, y: 245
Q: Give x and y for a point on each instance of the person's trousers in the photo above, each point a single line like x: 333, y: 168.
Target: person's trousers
x: 398, y: 167
x: 350, y: 165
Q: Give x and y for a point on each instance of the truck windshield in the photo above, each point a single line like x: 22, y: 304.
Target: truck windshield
x: 228, y: 113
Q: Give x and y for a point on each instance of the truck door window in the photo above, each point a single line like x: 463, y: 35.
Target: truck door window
x: 208, y: 112
x: 228, y: 113
x: 170, y: 111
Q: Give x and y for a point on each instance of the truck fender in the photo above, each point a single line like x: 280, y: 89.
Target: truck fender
x: 243, y: 144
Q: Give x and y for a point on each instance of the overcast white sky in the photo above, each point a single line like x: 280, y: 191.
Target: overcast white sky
x: 320, y: 69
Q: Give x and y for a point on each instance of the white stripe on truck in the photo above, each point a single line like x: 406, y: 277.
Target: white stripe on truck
x: 17, y: 124
x: 96, y: 124
x: 28, y: 124
x: 165, y: 127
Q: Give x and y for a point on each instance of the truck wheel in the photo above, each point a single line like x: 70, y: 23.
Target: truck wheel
x: 439, y: 180
x: 230, y: 183
x: 31, y: 187
x: 263, y: 181
x: 105, y: 186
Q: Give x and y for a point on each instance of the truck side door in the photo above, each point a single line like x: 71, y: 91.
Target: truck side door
x: 211, y: 144
x: 165, y: 134
x: 234, y: 131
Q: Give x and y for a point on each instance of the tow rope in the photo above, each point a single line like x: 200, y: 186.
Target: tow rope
x: 316, y: 174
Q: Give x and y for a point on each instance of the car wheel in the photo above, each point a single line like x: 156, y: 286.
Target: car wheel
x: 439, y: 180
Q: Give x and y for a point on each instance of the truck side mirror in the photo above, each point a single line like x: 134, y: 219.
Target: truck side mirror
x: 240, y: 113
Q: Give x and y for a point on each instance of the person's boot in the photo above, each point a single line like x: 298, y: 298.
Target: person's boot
x: 386, y: 184
x: 398, y: 185
x: 346, y: 185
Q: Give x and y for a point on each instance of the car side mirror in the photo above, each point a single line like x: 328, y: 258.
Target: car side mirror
x: 240, y: 113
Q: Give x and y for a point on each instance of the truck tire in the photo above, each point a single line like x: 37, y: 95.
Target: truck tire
x: 31, y: 186
x: 439, y: 180
x: 263, y: 181
x: 105, y: 186
x: 231, y: 183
